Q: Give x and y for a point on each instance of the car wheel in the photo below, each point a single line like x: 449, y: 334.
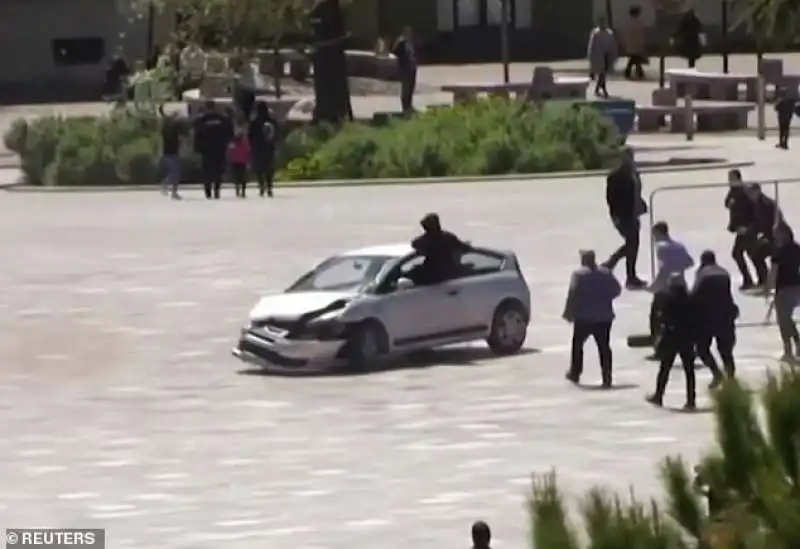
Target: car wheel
x: 366, y: 344
x: 509, y: 328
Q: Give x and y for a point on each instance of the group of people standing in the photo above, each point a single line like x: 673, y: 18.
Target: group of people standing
x: 684, y: 321
x: 227, y: 142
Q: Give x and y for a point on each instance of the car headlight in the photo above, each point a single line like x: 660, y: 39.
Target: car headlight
x: 324, y: 330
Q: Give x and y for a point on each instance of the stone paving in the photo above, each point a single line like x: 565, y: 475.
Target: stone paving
x: 123, y: 409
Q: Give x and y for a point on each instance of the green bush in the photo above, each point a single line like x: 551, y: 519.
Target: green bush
x: 481, y: 138
x: 488, y: 137
x: 744, y: 494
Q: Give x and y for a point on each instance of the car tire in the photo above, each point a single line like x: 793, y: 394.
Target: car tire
x: 509, y: 328
x: 365, y: 345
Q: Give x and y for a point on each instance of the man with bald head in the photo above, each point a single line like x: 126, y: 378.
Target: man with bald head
x: 590, y: 310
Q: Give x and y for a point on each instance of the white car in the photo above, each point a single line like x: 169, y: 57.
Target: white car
x: 358, y: 306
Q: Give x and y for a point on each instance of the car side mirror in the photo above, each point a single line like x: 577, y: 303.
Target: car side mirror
x: 404, y: 284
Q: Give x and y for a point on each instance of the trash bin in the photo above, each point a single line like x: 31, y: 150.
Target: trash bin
x: 621, y: 112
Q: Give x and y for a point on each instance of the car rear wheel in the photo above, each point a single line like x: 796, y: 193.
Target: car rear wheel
x: 509, y: 328
x: 366, y: 344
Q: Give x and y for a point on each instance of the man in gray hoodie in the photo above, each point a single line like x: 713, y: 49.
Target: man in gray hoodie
x: 590, y: 310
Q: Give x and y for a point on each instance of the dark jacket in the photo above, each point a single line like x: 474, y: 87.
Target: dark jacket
x: 766, y: 214
x: 713, y: 300
x: 442, y: 251
x: 405, y: 54
x: 741, y: 212
x: 687, y: 37
x: 784, y: 108
x: 212, y: 133
x: 591, y: 295
x: 677, y: 317
x: 263, y: 133
x: 624, y: 194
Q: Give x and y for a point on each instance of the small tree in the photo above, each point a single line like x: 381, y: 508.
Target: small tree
x: 745, y: 494
x: 770, y: 22
x: 242, y: 26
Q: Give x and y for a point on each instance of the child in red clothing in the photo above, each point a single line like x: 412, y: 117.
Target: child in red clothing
x: 238, y: 159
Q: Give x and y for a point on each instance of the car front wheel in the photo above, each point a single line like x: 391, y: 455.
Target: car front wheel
x: 509, y: 328
x: 365, y: 345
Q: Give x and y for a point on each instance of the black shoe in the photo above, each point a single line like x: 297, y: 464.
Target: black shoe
x: 573, y: 378
x: 655, y: 400
x: 607, y: 384
x: 747, y: 286
x: 716, y: 382
x: 635, y: 284
x: 690, y: 407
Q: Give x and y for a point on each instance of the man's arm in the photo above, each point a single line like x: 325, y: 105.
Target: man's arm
x: 616, y: 287
x: 612, y: 187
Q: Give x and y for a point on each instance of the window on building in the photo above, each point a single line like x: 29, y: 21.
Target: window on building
x: 78, y: 51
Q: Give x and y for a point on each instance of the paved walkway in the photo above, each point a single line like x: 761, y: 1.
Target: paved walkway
x: 122, y: 408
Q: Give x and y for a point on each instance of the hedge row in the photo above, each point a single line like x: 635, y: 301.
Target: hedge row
x: 481, y: 138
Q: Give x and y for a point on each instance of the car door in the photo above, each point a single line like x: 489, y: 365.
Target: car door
x: 416, y: 315
x: 478, y: 289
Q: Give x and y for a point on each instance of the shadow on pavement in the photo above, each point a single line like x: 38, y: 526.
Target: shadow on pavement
x: 616, y: 387
x: 449, y: 356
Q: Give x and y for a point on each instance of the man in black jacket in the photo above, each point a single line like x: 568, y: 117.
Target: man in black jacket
x: 716, y: 314
x: 212, y: 133
x: 406, y: 55
x: 741, y: 222
x: 677, y: 339
x: 441, y: 249
x: 626, y: 206
x: 766, y: 218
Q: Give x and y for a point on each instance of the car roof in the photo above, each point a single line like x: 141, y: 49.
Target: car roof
x: 389, y: 250
x: 401, y: 250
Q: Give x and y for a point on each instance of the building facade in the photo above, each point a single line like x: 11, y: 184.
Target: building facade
x: 63, y: 47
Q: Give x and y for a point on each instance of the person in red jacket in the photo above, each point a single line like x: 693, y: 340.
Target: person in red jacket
x: 238, y: 159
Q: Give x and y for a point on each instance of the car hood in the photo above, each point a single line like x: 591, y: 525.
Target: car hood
x: 290, y: 306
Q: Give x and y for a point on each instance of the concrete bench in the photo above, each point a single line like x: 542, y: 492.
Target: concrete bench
x: 195, y: 103
x: 710, y: 116
x: 711, y: 85
x: 563, y: 87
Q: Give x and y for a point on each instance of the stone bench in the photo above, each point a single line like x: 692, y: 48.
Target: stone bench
x: 195, y: 102
x: 563, y: 87
x: 711, y: 85
x: 710, y: 116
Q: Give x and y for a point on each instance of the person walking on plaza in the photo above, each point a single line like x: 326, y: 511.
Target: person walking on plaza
x: 677, y: 340
x: 590, y: 309
x: 635, y: 44
x: 785, y: 106
x: 212, y: 133
x: 238, y: 159
x: 626, y: 206
x: 785, y: 280
x: 263, y: 135
x: 673, y: 260
x: 406, y: 54
x: 716, y: 313
x: 689, y: 39
x: 172, y: 131
x: 602, y: 53
x: 741, y: 220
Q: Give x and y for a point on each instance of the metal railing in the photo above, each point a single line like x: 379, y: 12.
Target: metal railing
x: 774, y: 184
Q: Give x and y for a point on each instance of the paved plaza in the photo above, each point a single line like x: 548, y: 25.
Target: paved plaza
x: 122, y: 408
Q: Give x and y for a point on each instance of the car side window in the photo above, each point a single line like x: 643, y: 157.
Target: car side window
x: 478, y: 263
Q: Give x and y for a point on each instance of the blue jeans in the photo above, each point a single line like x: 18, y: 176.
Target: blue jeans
x: 171, y: 163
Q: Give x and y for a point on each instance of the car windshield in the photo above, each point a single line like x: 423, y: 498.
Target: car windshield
x: 348, y: 273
